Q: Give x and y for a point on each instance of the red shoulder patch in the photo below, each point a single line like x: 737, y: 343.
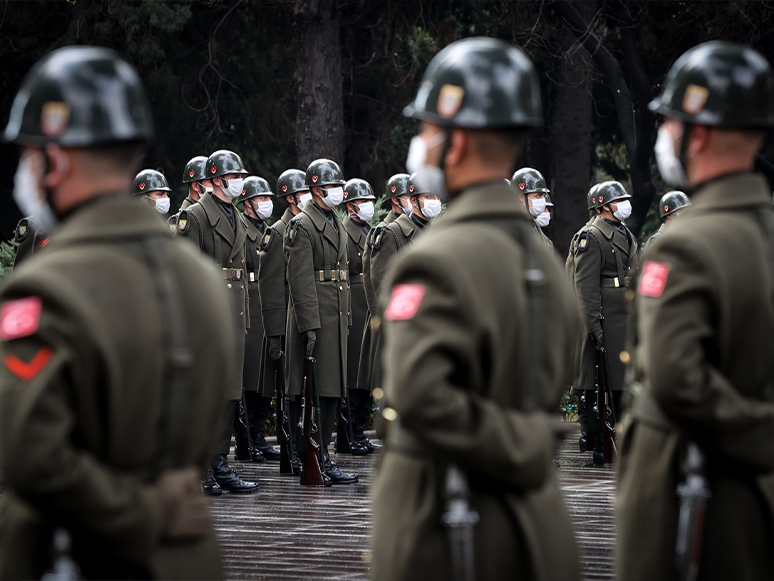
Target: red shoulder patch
x: 20, y: 318
x: 404, y: 302
x: 653, y: 279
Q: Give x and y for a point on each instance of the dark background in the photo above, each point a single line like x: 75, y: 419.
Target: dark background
x: 283, y: 82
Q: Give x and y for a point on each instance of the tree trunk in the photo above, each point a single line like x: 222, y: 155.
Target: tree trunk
x: 571, y: 142
x: 320, y: 106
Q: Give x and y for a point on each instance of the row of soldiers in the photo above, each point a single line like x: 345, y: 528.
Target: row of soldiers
x: 115, y: 384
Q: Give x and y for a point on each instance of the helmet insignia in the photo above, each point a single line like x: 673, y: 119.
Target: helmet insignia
x: 142, y: 186
x: 694, y: 99
x: 449, y: 101
x: 314, y: 179
x: 284, y: 188
x: 54, y: 118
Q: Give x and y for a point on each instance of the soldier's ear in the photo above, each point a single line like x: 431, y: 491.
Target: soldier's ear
x: 459, y: 148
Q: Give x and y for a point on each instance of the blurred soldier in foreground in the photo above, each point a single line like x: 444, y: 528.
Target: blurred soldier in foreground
x: 220, y: 232
x: 152, y: 186
x: 359, y: 201
x: 533, y: 193
x: 668, y: 208
x: 703, y: 354
x: 258, y: 206
x: 273, y: 286
x: 319, y: 312
x: 110, y: 398
x: 472, y: 381
x: 605, y: 256
x: 28, y: 239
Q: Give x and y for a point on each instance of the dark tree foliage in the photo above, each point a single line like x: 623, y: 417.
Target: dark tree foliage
x: 239, y: 74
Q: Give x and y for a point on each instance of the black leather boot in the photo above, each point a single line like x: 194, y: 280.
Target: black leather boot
x: 259, y: 415
x: 582, y: 442
x: 297, y: 467
x: 336, y: 475
x: 263, y: 447
x: 210, y: 486
x: 369, y: 446
x: 243, y: 452
x: 228, y: 479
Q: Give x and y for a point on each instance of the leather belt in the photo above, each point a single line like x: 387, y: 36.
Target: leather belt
x: 614, y: 282
x: 232, y: 273
x: 357, y: 278
x: 252, y: 277
x: 331, y: 275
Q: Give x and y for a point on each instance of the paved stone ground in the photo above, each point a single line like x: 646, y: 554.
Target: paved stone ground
x: 286, y: 531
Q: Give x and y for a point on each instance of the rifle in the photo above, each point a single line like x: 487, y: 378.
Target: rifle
x: 604, y: 407
x: 693, y: 494
x: 311, y: 414
x: 344, y: 428
x: 459, y: 519
x: 285, y: 434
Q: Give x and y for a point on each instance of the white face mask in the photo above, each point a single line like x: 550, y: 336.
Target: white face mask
x: 29, y: 196
x: 669, y: 165
x: 303, y: 200
x: 536, y: 207
x: 207, y: 190
x: 431, y: 208
x: 624, y: 210
x: 334, y: 197
x: 365, y: 211
x: 234, y: 188
x: 544, y: 219
x: 428, y: 178
x: 162, y: 205
x: 263, y: 209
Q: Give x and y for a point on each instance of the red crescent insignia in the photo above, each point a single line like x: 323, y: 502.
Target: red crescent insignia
x: 284, y: 188
x: 213, y: 169
x: 392, y: 189
x: 142, y: 186
x: 314, y: 179
x: 521, y: 186
x: 666, y: 208
x: 411, y: 188
x: 191, y: 173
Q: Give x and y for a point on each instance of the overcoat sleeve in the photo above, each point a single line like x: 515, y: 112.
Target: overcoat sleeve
x: 299, y: 259
x: 271, y: 283
x: 588, y: 266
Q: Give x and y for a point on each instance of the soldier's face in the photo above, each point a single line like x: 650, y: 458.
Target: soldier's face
x: 157, y: 194
x: 431, y: 134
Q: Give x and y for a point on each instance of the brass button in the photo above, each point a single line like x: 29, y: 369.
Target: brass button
x: 242, y: 287
x: 358, y: 254
x: 240, y: 314
x: 625, y: 357
x: 229, y: 285
x: 230, y: 261
x: 341, y: 288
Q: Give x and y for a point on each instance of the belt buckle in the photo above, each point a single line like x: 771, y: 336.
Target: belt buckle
x: 333, y: 275
x: 615, y: 281
x: 236, y: 274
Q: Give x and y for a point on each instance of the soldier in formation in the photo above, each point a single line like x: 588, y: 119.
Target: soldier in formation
x: 152, y: 186
x: 95, y: 445
x: 698, y: 455
x: 604, y: 259
x: 471, y: 380
x: 669, y: 207
x: 215, y: 226
x: 319, y: 309
x: 533, y: 193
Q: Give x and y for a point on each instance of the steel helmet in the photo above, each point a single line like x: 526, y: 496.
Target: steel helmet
x: 324, y: 172
x: 357, y: 189
x: 195, y: 170
x: 671, y: 202
x: 149, y: 180
x: 529, y: 181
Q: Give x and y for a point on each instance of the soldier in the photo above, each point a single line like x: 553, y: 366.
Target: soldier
x: 668, y: 208
x: 703, y: 347
x: 28, y: 239
x: 584, y: 406
x: 319, y: 312
x: 359, y: 202
x: 273, y: 286
x: 532, y: 189
x: 387, y: 241
x: 109, y: 397
x: 220, y: 232
x: 198, y: 185
x: 258, y: 206
x: 152, y: 186
x: 472, y: 383
x: 605, y: 257
x: 396, y: 190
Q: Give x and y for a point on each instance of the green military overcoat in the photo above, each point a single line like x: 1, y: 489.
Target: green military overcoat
x: 542, y: 235
x: 363, y: 353
x: 81, y: 393
x: 387, y: 240
x: 603, y: 258
x: 27, y: 240
x: 205, y: 224
x: 455, y: 375
x: 322, y: 306
x: 705, y: 317
x: 274, y: 298
x: 356, y: 248
x: 251, y: 369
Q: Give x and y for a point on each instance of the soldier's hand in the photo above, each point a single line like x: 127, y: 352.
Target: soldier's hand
x: 275, y: 348
x: 186, y: 513
x: 596, y: 337
x: 311, y: 339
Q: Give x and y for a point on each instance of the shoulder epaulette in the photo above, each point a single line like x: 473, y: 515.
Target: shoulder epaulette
x: 266, y: 240
x: 22, y: 230
x: 184, y: 220
x: 172, y: 222
x: 291, y: 231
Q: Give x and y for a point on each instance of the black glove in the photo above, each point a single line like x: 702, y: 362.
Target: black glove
x: 311, y: 339
x: 596, y: 337
x: 275, y: 348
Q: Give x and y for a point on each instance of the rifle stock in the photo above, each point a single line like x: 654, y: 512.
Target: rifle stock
x: 343, y: 429
x: 605, y: 405
x: 693, y: 495
x: 313, y: 466
x: 284, y: 430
